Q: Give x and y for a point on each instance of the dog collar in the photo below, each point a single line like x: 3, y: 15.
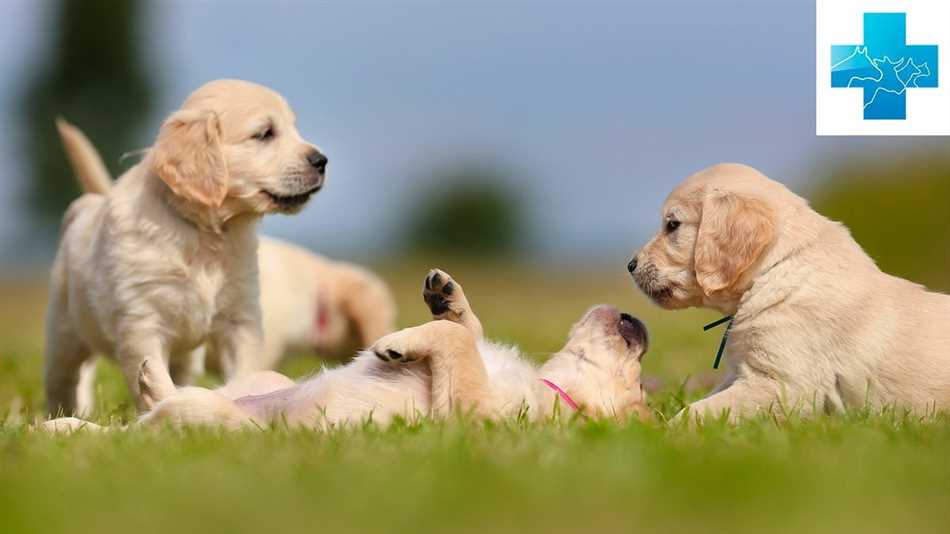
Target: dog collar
x: 725, y: 336
x: 562, y: 394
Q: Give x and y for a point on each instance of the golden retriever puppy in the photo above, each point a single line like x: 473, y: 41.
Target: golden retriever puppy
x: 165, y: 260
x: 817, y: 326
x: 438, y: 368
x: 308, y: 302
x: 316, y: 304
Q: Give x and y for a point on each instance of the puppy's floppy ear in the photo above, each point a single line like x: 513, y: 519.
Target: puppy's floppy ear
x: 187, y: 157
x: 733, y: 234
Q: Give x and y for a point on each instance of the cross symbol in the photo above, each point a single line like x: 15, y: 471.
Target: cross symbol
x: 885, y: 66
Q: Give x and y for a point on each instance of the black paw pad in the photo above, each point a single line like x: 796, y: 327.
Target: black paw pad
x: 436, y: 303
x: 391, y: 355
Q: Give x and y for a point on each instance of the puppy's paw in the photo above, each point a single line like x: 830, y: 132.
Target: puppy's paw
x: 394, y: 348
x: 155, y: 384
x: 444, y: 295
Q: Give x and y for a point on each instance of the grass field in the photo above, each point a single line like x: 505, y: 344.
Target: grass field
x: 860, y: 472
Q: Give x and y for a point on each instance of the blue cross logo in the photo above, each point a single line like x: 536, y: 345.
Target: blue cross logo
x: 885, y: 66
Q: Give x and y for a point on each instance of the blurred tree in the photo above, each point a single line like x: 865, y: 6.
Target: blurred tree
x: 94, y: 76
x: 897, y: 206
x: 467, y: 210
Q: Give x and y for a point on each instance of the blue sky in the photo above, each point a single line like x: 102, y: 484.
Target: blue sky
x: 599, y: 108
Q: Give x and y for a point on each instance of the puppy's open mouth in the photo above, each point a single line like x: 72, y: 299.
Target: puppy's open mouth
x: 290, y: 202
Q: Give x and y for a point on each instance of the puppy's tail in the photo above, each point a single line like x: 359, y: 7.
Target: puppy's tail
x: 83, y: 157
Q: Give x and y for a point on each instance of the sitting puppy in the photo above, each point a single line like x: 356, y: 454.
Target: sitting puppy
x: 437, y: 368
x: 312, y: 303
x: 165, y: 260
x: 817, y: 326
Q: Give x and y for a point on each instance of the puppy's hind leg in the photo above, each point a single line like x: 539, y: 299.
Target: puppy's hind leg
x: 85, y: 391
x: 459, y: 378
x: 446, y: 300
x: 194, y: 406
x: 65, y: 356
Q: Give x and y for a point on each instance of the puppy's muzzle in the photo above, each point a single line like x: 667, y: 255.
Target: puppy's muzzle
x: 648, y: 280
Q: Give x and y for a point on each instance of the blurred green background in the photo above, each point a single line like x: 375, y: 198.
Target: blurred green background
x: 897, y: 205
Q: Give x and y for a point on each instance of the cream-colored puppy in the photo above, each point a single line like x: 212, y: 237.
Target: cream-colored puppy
x: 308, y: 302
x: 165, y: 260
x: 817, y: 327
x: 311, y: 303
x: 436, y: 369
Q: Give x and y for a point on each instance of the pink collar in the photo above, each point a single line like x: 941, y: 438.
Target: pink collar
x: 563, y: 394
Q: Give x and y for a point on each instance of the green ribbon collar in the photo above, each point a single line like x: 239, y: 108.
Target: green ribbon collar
x: 725, y: 336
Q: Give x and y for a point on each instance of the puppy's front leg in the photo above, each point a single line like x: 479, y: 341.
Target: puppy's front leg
x: 743, y: 398
x: 135, y: 350
x: 459, y: 379
x: 236, y: 345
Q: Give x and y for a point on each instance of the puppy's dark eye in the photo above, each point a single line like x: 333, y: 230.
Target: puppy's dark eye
x: 265, y: 135
x: 672, y: 225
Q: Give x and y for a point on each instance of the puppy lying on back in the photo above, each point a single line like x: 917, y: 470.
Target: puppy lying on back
x: 308, y: 302
x: 165, y: 260
x: 817, y: 325
x: 437, y: 368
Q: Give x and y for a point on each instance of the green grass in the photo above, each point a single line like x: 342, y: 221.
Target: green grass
x: 867, y: 472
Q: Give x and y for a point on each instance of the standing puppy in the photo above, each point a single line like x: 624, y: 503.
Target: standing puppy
x: 817, y: 325
x: 308, y: 302
x: 165, y: 260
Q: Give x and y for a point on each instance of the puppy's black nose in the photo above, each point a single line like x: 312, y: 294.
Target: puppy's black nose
x: 632, y: 266
x: 318, y: 161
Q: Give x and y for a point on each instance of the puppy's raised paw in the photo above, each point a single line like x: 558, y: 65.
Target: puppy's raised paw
x: 444, y: 295
x: 394, y: 348
x: 446, y: 300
